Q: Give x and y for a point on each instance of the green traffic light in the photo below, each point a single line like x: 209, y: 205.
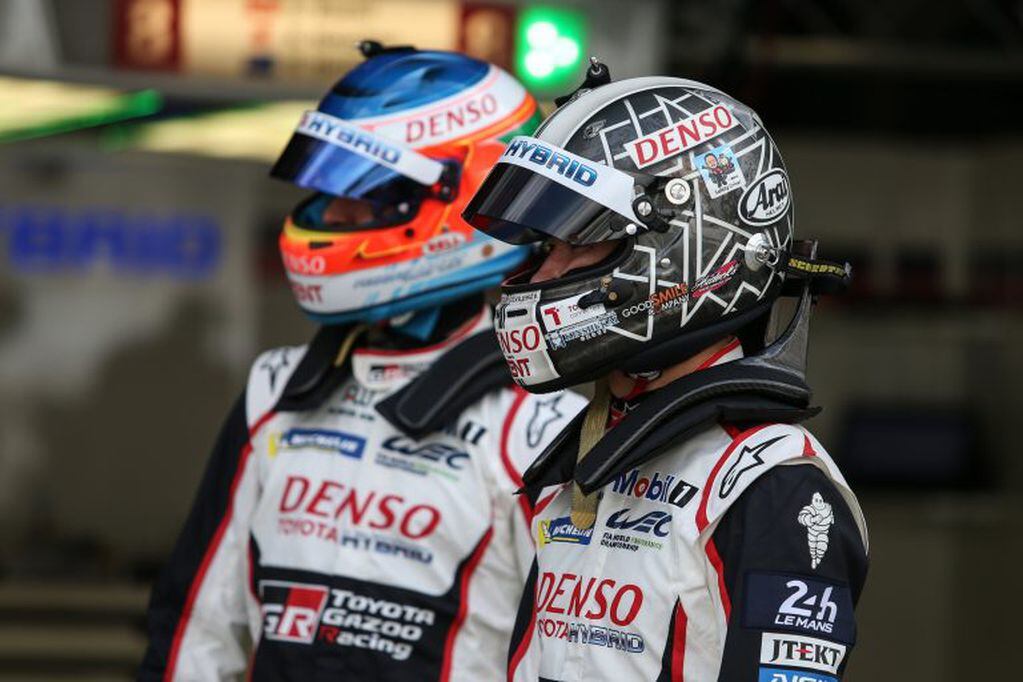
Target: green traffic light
x: 550, y: 47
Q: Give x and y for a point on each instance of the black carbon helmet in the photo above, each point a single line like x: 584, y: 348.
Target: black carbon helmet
x: 692, y: 186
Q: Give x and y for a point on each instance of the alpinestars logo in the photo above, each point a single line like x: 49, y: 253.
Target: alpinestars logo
x: 749, y: 458
x: 818, y: 518
x: 275, y: 361
x: 544, y: 413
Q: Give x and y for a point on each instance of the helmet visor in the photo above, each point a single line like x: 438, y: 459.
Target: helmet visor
x: 339, y: 158
x: 538, y: 190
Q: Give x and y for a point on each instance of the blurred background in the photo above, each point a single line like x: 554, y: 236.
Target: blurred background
x: 139, y: 275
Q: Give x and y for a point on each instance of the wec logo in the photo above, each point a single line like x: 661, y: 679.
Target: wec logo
x: 434, y: 452
x: 652, y: 522
x: 557, y: 162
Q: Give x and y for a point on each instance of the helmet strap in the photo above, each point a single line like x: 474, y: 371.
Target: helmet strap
x: 346, y: 345
x: 584, y: 507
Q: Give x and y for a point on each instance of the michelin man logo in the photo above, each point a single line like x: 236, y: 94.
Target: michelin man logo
x: 818, y: 519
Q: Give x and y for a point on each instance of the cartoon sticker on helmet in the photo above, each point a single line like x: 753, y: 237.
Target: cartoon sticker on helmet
x: 720, y: 170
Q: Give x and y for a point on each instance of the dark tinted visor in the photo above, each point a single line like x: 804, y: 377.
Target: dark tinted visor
x: 517, y: 206
x: 337, y: 157
x: 314, y: 164
x: 537, y: 190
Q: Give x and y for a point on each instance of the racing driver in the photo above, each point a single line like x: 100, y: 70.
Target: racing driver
x: 689, y: 528
x: 357, y: 518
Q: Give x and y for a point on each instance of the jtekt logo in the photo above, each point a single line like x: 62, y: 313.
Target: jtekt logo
x: 804, y: 652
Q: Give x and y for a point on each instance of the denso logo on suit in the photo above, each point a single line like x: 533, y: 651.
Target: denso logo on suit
x: 325, y: 507
x: 573, y: 608
x: 589, y: 598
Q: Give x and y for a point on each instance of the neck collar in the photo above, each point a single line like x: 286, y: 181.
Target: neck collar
x: 380, y: 369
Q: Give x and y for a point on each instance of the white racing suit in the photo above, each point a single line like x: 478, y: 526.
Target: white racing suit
x: 326, y: 544
x: 737, y: 555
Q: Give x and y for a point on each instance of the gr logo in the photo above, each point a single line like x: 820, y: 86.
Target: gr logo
x: 291, y: 611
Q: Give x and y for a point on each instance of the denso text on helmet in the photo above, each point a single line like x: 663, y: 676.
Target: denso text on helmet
x: 451, y: 120
x: 681, y: 136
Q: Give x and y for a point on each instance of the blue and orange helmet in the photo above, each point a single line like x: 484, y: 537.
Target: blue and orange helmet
x: 393, y: 153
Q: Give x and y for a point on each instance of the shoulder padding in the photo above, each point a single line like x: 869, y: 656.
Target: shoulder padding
x: 463, y: 375
x: 534, y: 421
x: 268, y: 378
x: 750, y: 455
x: 738, y: 391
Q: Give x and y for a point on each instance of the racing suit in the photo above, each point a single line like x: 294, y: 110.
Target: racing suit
x: 326, y: 544
x: 736, y: 555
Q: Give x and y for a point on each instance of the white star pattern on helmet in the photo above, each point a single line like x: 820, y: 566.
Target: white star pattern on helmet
x: 614, y: 136
x: 818, y: 518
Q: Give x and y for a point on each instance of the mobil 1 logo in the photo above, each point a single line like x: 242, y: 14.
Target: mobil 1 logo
x: 777, y: 601
x: 658, y: 487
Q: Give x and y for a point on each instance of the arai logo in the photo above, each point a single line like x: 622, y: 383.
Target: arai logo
x: 766, y: 199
